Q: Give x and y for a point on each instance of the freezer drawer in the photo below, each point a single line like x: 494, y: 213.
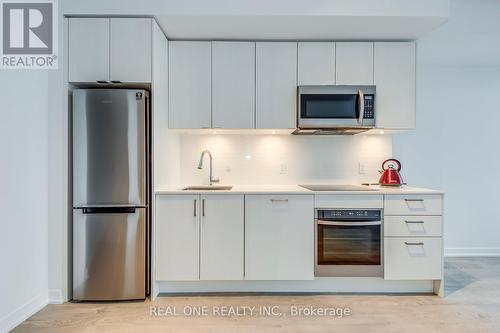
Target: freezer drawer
x: 109, y: 147
x: 109, y: 253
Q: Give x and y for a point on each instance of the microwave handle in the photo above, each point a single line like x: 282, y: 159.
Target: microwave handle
x: 361, y: 106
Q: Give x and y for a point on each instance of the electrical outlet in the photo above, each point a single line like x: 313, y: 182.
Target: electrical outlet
x: 283, y: 169
x: 362, y: 168
x: 228, y: 169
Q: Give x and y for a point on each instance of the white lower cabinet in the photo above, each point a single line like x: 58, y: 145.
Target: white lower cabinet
x: 222, y: 237
x: 279, y: 237
x: 413, y: 258
x: 199, y: 237
x: 177, y: 237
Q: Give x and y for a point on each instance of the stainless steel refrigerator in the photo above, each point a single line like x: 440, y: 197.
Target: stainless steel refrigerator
x: 110, y: 194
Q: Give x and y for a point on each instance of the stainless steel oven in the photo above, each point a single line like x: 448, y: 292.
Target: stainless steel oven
x: 348, y: 242
x: 336, y: 107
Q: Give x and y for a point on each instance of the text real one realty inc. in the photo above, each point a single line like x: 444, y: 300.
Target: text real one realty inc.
x: 240, y: 311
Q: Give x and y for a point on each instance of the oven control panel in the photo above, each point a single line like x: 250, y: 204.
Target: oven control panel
x: 369, y: 106
x: 349, y: 214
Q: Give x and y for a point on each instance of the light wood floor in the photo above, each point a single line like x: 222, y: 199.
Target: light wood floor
x: 472, y: 304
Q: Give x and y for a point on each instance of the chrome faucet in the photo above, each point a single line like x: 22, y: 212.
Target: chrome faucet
x: 200, y: 166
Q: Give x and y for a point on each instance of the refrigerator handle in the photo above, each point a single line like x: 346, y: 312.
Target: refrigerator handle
x: 108, y: 210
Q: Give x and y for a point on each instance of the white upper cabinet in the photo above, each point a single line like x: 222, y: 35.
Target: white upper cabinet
x: 394, y: 77
x: 109, y: 49
x: 276, y: 84
x: 354, y: 63
x: 130, y: 50
x: 316, y: 63
x: 177, y: 237
x: 88, y: 48
x: 233, y: 90
x: 190, y: 88
x: 222, y: 237
x: 279, y: 237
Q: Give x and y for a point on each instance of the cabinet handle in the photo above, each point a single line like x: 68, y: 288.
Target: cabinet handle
x: 203, y: 207
x: 279, y: 200
x: 414, y: 243
x: 420, y: 200
x: 194, y: 208
x: 414, y: 221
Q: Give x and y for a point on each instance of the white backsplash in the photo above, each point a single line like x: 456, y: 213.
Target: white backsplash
x: 284, y: 159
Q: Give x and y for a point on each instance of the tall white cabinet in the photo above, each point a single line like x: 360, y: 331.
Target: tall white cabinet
x: 233, y: 89
x: 190, y: 88
x: 276, y: 84
x: 394, y: 76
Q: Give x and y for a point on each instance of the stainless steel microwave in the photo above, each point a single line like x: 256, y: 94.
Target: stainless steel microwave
x: 336, y: 107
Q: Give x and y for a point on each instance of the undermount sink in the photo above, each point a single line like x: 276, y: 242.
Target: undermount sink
x: 207, y: 188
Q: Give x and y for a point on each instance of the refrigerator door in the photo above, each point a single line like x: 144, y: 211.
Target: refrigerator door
x: 109, y: 253
x: 109, y: 147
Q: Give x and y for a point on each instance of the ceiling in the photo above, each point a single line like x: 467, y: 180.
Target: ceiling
x: 297, y: 27
x: 279, y: 19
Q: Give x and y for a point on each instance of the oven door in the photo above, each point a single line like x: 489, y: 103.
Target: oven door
x: 334, y: 106
x: 348, y: 248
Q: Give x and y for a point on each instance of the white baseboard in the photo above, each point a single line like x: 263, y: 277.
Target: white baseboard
x: 11, y: 320
x: 472, y: 252
x: 55, y: 296
x: 319, y: 284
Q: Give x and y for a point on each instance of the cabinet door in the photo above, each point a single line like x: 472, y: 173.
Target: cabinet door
x: 316, y: 63
x: 88, y: 48
x: 177, y: 237
x: 276, y: 85
x: 190, y: 84
x: 130, y: 49
x: 394, y: 76
x: 233, y: 87
x: 222, y: 236
x: 354, y: 63
x: 279, y: 237
x: 413, y: 258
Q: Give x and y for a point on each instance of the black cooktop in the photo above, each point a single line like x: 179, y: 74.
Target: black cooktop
x: 337, y: 188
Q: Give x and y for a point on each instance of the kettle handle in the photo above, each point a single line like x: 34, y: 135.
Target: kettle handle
x: 391, y: 160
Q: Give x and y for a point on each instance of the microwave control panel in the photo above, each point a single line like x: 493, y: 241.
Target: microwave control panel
x: 369, y: 106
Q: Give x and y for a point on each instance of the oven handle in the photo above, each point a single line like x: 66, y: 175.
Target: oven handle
x: 361, y: 106
x: 349, y: 224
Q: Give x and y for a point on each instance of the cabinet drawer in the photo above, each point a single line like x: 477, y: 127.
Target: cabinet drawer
x: 414, y: 225
x: 412, y: 258
x: 353, y: 201
x: 413, y: 204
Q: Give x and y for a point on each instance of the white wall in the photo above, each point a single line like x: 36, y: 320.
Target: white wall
x: 258, y: 159
x: 456, y: 144
x: 23, y: 194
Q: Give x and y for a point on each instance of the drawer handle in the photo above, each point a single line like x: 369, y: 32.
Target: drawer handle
x: 414, y: 200
x: 420, y: 222
x: 414, y: 243
x: 279, y: 200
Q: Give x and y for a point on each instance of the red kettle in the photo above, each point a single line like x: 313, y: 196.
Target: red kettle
x: 390, y: 173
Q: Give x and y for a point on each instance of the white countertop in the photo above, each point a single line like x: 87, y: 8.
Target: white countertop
x: 295, y: 189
